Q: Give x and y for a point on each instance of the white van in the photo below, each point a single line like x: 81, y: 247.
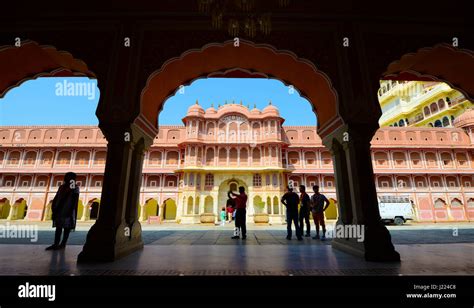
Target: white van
x: 395, y: 209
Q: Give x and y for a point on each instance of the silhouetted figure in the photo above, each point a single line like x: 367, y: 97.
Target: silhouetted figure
x: 64, y: 208
x: 319, y: 204
x: 240, y: 213
x: 291, y: 200
x: 305, y: 209
x: 94, y: 210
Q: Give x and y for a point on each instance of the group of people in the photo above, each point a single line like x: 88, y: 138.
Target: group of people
x: 299, y: 208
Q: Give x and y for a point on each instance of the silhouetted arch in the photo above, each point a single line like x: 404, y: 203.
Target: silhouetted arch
x: 443, y: 63
x: 249, y: 58
x: 32, y: 60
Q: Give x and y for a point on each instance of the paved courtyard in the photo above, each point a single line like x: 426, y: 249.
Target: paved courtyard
x: 175, y: 234
x: 208, y: 250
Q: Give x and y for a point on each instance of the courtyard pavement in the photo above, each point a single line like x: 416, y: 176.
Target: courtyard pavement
x: 437, y: 249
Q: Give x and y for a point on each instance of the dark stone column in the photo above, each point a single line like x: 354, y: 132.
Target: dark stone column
x: 138, y: 155
x: 117, y: 231
x: 355, y: 181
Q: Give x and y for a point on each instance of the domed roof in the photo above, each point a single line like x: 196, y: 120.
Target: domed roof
x: 195, y: 110
x: 211, y: 109
x: 255, y: 110
x: 271, y: 109
x: 465, y: 119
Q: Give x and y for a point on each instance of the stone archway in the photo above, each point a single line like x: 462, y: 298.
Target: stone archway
x: 246, y: 60
x: 169, y: 209
x: 125, y: 157
x: 48, y: 213
x: 42, y: 61
x: 4, y: 208
x: 18, y: 210
x: 230, y: 183
x: 443, y: 63
x: 150, y: 208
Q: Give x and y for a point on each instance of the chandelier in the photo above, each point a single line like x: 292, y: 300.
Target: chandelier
x: 245, y: 17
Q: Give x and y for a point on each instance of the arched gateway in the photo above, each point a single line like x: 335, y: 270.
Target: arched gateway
x: 357, y: 203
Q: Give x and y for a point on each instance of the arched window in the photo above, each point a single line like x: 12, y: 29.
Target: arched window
x: 293, y: 158
x: 64, y: 158
x: 244, y: 157
x: 222, y: 156
x: 210, y: 157
x: 381, y: 159
x: 82, y: 158
x: 210, y: 129
x: 256, y: 157
x: 190, y: 206
x: 438, y: 123
x: 439, y: 203
x: 155, y: 158
x: 441, y: 104
x: 401, y: 123
x: 172, y: 158
x: 30, y: 158
x: 233, y: 156
x: 456, y: 203
x: 426, y: 111
x: 446, y: 122
x: 275, y: 180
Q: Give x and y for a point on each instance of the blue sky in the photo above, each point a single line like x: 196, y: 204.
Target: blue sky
x: 46, y: 101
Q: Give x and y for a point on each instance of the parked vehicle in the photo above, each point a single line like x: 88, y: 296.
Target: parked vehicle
x: 395, y: 209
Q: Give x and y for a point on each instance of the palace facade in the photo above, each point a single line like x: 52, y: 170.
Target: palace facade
x: 190, y: 168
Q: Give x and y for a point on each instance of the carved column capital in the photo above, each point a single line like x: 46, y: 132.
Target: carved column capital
x: 127, y: 133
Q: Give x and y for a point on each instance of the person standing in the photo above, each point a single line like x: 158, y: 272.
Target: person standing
x: 230, y: 209
x: 319, y: 204
x: 290, y: 199
x: 240, y: 213
x: 64, y: 210
x: 305, y: 209
x: 223, y: 216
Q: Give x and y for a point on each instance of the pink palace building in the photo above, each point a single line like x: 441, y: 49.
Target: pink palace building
x: 189, y: 168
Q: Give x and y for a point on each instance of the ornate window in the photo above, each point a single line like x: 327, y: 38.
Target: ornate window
x: 257, y: 180
x: 209, y: 181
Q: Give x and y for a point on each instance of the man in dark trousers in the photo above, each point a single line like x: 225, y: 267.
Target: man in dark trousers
x: 240, y: 212
x: 305, y: 209
x: 319, y: 204
x: 291, y: 200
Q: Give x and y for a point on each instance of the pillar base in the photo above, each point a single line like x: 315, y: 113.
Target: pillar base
x: 107, y: 244
x: 376, y: 247
x: 378, y: 244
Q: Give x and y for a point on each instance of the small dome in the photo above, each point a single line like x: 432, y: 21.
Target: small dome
x: 255, y: 110
x: 211, y: 109
x: 271, y: 109
x: 465, y: 119
x: 195, y: 110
